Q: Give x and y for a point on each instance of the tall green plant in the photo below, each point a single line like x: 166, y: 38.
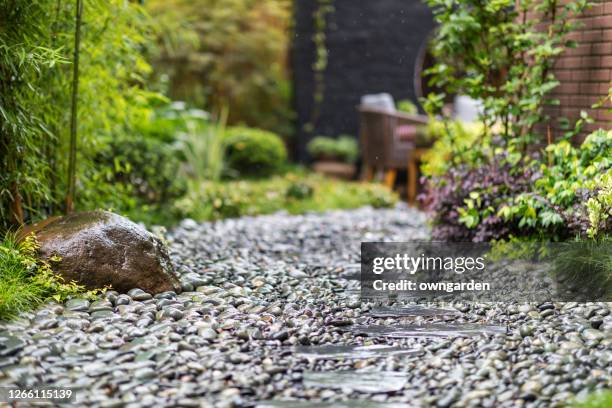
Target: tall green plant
x: 73, y: 109
x: 203, y: 148
x: 497, y: 52
x: 36, y: 45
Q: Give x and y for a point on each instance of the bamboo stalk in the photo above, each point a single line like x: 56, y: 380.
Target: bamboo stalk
x: 73, y: 111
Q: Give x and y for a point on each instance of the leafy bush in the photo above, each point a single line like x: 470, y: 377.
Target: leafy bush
x: 344, y: 148
x: 488, y: 185
x: 466, y: 199
x: 555, y: 205
x: 407, y: 106
x: 254, y: 152
x: 497, y: 53
x: 565, y: 195
x: 147, y: 167
x: 294, y: 192
x: 26, y: 281
x: 453, y: 143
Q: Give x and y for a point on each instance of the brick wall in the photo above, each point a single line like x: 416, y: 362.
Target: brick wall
x: 585, y: 72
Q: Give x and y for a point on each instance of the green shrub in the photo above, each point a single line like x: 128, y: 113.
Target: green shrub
x: 566, y: 193
x: 453, y: 143
x: 344, y: 148
x: 26, y: 281
x: 254, y: 152
x: 149, y: 167
x: 572, y: 193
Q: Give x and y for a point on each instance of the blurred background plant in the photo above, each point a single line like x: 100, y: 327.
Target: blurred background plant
x: 202, y: 146
x: 227, y: 53
x: 344, y: 148
x: 252, y: 152
x: 296, y: 191
x: 407, y: 106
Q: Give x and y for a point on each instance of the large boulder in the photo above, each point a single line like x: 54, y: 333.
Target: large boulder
x: 99, y: 248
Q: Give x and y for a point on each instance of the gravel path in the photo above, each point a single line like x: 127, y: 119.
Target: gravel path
x: 269, y: 312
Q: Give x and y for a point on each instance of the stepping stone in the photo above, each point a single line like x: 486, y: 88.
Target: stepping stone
x: 329, y: 404
x: 371, y: 382
x: 331, y: 352
x: 410, y: 310
x: 427, y: 330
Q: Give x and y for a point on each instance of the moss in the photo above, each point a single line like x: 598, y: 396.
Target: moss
x: 602, y: 399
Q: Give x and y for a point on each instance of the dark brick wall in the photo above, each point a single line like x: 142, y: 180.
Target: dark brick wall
x: 373, y: 46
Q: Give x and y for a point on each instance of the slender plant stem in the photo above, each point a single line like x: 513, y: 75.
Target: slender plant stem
x: 73, y: 110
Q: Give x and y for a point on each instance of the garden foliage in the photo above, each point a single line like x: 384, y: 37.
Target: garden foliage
x: 228, y: 54
x: 344, y: 148
x: 494, y: 182
x: 253, y: 152
x: 496, y: 52
x: 36, y: 48
x: 295, y: 192
x: 566, y: 193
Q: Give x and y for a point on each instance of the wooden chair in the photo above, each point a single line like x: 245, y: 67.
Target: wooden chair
x: 388, y: 143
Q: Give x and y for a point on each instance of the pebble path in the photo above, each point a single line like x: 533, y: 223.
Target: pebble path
x: 270, y: 316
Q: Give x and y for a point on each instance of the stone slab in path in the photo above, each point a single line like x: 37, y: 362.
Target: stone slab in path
x: 362, y: 381
x: 353, y: 352
x: 427, y: 330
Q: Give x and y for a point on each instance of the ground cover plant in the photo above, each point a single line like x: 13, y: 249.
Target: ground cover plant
x: 297, y: 191
x: 565, y: 195
x: 26, y: 281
